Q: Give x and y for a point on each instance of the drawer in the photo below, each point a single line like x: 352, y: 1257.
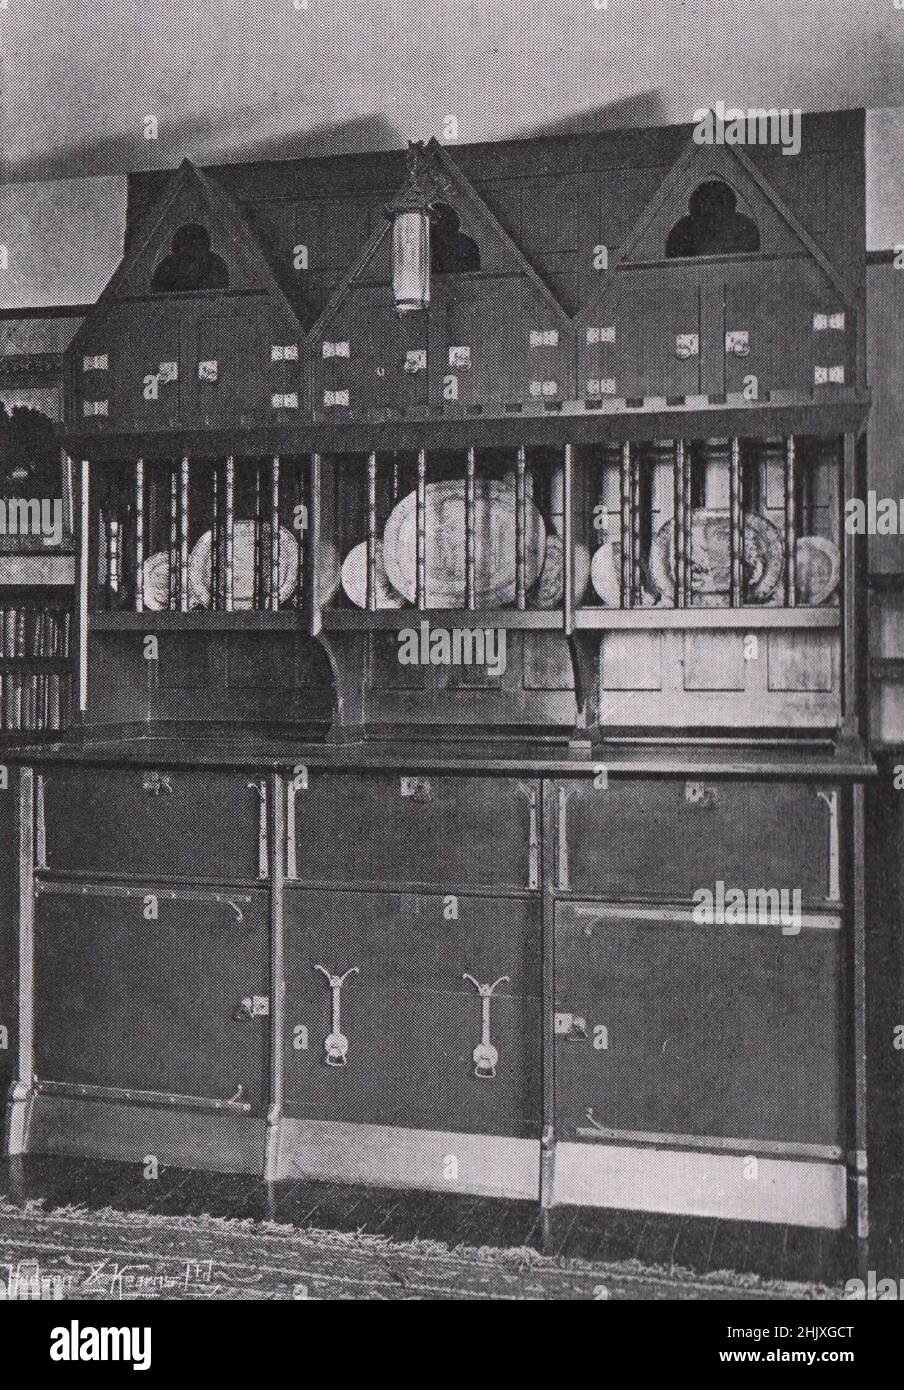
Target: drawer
x: 411, y: 1020
x: 709, y: 1030
x: 669, y: 838
x: 151, y: 822
x: 433, y: 831
x: 128, y: 1003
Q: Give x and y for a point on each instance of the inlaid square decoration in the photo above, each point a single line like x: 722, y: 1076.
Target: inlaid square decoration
x: 208, y: 371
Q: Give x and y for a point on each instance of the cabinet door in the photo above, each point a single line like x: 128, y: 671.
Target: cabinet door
x: 136, y: 821
x: 694, y: 1030
x: 410, y: 1020
x: 430, y: 831
x: 128, y: 1003
x: 667, y: 839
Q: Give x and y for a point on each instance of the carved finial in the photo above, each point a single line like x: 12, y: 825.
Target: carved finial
x: 425, y: 184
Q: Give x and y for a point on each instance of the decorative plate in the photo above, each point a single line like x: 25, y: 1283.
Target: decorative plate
x: 764, y: 557
x: 354, y: 578
x: 242, y: 566
x: 818, y: 570
x: 547, y: 592
x: 155, y: 582
x: 494, y: 545
x: 605, y: 573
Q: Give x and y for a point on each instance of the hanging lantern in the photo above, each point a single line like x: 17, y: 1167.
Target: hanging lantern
x: 411, y: 258
x: 410, y: 214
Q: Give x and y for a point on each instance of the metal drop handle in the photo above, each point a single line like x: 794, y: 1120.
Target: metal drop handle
x: 485, y: 1055
x: 335, y: 1045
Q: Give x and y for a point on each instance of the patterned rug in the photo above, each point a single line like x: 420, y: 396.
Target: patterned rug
x: 73, y: 1252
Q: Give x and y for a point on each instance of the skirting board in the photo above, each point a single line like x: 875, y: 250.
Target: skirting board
x: 219, y: 1143
x: 790, y: 1191
x: 485, y: 1165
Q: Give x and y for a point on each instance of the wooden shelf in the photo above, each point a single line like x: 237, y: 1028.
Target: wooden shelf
x: 39, y: 663
x: 393, y: 619
x: 199, y: 620
x: 746, y: 619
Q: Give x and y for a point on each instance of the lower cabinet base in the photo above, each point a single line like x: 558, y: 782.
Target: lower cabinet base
x: 220, y: 1143
x: 731, y: 1187
x: 788, y: 1191
x: 486, y: 1165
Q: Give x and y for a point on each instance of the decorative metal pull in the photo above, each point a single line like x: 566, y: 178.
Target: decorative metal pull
x: 533, y: 836
x: 831, y: 800
x: 335, y: 1045
x: 562, y: 871
x: 252, y: 1006
x: 154, y: 783
x: 485, y: 1055
x: 262, y: 859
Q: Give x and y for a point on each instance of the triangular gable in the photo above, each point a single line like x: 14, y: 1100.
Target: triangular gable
x: 190, y: 197
x: 457, y: 190
x: 697, y: 163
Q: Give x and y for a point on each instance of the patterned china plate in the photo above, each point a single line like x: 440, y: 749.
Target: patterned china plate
x: 495, y: 508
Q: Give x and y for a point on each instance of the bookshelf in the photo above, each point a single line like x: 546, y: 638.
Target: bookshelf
x: 35, y: 660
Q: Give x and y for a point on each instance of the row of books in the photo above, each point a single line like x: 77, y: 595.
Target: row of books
x: 37, y: 703
x: 34, y: 630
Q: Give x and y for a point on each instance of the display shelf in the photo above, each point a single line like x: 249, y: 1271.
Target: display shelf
x: 197, y: 620
x: 743, y: 619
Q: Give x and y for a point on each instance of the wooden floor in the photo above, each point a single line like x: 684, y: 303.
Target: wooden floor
x: 700, y: 1245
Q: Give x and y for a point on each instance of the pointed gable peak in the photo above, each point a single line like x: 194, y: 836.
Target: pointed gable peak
x: 756, y: 217
x: 195, y: 239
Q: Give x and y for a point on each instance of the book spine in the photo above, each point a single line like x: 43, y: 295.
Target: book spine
x: 53, y: 702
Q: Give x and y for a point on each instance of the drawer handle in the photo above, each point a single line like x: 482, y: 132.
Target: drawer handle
x: 485, y: 1055
x: 252, y: 1006
x: 335, y: 1045
x: 154, y: 783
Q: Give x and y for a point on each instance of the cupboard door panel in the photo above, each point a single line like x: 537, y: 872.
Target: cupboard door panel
x: 129, y: 1003
x: 670, y: 838
x: 107, y: 821
x: 706, y: 1028
x: 388, y: 829
x: 410, y: 1019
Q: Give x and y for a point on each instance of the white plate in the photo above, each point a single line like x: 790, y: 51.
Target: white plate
x: 155, y: 582
x: 354, y: 578
x: 547, y: 592
x: 242, y: 567
x: 605, y: 573
x: 495, y: 509
x: 818, y: 565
